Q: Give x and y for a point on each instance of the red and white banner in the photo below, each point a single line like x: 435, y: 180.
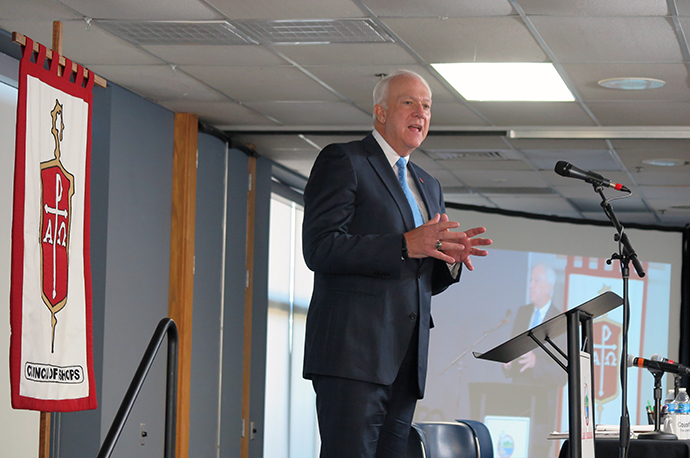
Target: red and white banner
x: 51, y: 360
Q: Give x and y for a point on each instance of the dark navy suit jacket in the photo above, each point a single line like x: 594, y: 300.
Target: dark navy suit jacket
x: 366, y: 301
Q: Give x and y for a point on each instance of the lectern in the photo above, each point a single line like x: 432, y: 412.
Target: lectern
x: 571, y: 322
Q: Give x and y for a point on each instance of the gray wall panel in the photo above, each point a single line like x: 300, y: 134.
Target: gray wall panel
x: 138, y: 264
x: 208, y: 261
x: 235, y: 275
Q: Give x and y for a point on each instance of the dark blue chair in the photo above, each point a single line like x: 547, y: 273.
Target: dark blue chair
x: 456, y: 439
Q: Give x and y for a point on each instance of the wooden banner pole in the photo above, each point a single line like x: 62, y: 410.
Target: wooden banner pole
x: 21, y: 40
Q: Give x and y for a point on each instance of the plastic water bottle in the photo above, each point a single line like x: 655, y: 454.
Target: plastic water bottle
x: 682, y: 410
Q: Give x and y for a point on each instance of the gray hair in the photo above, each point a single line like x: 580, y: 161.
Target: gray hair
x: 381, y: 88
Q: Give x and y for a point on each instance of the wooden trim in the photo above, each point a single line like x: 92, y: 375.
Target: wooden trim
x: 181, y: 292
x: 97, y: 80
x: 44, y: 436
x: 247, y: 433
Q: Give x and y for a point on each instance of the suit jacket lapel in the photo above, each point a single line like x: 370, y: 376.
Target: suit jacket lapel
x: 384, y: 170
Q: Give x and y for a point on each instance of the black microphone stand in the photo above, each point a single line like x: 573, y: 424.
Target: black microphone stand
x: 657, y: 433
x: 625, y: 255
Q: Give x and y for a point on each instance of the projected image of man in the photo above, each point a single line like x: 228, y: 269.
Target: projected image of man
x: 536, y: 368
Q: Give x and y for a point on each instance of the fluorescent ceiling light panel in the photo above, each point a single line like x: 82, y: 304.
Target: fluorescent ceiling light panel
x: 506, y: 82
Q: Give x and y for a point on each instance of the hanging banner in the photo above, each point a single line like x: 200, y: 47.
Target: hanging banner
x: 51, y: 359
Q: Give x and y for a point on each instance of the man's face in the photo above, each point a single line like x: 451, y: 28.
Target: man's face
x: 539, y: 287
x: 405, y: 123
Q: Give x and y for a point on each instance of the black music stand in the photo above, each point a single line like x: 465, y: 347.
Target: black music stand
x: 568, y: 321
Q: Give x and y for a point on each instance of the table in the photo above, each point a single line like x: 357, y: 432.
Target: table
x: 639, y: 448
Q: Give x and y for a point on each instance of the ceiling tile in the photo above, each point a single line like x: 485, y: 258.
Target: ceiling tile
x: 219, y: 114
x: 165, y: 10
x: 356, y: 82
x: 500, y: 178
x: 487, y: 166
x: 534, y: 114
x: 597, y: 160
x: 87, y: 45
x: 609, y: 39
x: 299, y: 166
x: 631, y: 204
x: 595, y: 7
x: 439, y: 8
x: 159, y: 83
x: 280, y: 9
x: 273, y: 142
x: 557, y: 144
x: 655, y: 178
x: 462, y: 142
x: 468, y: 199
x: 340, y: 54
x: 642, y: 113
x: 469, y: 39
x: 420, y: 158
x: 311, y: 113
x: 214, y: 56
x: 252, y: 84
x: 36, y: 11
x: 280, y: 154
x: 586, y: 76
x: 549, y: 205
x: 674, y: 193
x: 453, y: 114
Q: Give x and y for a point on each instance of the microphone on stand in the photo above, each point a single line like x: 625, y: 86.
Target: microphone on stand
x: 658, y: 366
x: 661, y: 359
x: 566, y: 169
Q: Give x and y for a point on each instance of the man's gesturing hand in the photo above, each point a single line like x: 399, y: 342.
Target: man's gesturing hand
x: 435, y: 239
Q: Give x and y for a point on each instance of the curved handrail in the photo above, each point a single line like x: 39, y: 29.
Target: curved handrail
x: 165, y: 326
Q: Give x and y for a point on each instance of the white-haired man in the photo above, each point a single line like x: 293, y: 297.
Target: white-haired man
x: 376, y: 235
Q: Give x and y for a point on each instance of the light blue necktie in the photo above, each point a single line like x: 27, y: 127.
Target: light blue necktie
x: 402, y: 177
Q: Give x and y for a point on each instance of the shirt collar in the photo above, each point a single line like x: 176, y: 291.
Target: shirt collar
x: 388, y: 150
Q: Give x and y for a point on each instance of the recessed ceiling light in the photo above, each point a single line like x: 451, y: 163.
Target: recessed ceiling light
x: 632, y: 84
x: 665, y: 162
x: 506, y: 82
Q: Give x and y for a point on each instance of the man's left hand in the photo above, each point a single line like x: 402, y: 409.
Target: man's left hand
x: 461, y: 249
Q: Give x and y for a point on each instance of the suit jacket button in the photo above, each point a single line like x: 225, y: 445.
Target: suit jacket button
x: 413, y: 316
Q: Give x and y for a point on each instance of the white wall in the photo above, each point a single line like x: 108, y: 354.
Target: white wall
x: 18, y: 428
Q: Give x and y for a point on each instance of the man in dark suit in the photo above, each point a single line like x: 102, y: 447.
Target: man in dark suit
x: 536, y: 368
x: 376, y: 265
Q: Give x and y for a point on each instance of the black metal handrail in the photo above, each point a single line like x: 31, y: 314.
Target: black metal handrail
x: 165, y: 326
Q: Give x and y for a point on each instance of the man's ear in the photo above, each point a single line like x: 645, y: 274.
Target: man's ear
x: 380, y: 113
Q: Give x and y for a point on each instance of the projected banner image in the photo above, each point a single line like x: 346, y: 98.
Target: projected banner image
x: 510, y: 292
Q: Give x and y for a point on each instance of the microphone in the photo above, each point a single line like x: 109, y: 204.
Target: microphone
x: 661, y: 359
x: 566, y: 169
x: 658, y: 365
